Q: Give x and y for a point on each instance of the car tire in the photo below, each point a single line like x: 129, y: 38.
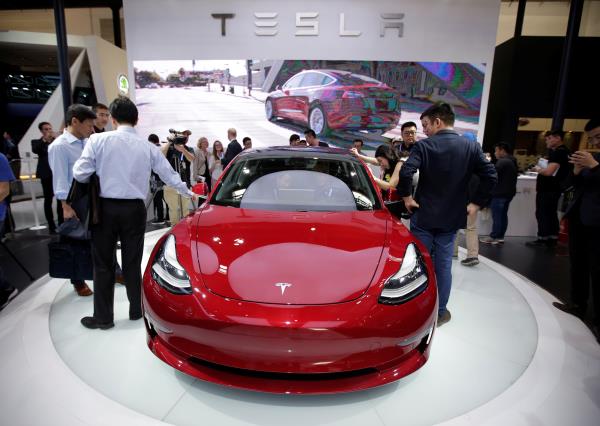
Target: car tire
x: 269, y: 110
x: 317, y: 120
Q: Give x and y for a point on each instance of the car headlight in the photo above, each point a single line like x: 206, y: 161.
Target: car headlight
x: 168, y: 272
x: 410, y: 281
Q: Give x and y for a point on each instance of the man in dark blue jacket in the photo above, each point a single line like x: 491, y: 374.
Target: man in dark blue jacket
x: 445, y: 161
x: 233, y: 149
x: 583, y: 214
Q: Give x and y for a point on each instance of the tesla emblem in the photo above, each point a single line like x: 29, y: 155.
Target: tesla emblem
x: 283, y: 286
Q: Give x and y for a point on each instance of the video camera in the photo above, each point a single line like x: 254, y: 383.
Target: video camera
x: 177, y: 137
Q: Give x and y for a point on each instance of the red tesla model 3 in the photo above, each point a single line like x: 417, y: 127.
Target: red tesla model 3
x: 292, y: 277
x: 327, y: 100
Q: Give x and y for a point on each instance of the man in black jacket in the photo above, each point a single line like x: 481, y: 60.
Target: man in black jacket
x: 44, y: 173
x: 445, y: 161
x: 503, y: 193
x: 233, y: 149
x: 583, y: 214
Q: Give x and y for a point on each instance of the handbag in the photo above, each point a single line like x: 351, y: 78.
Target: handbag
x: 74, y: 228
x: 71, y: 259
x: 16, y: 187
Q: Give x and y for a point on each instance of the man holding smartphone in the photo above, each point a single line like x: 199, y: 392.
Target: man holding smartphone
x: 583, y: 214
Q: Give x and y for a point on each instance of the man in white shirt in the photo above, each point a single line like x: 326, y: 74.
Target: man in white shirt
x: 62, y: 154
x: 123, y: 161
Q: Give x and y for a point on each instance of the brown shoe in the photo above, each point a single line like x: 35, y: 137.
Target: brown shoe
x: 120, y: 279
x: 82, y: 289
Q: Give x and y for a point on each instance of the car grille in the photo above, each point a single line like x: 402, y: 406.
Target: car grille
x: 266, y: 375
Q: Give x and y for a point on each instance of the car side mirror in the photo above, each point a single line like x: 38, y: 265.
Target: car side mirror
x: 398, y: 209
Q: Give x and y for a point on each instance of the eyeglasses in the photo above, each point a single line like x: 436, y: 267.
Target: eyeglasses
x: 409, y: 132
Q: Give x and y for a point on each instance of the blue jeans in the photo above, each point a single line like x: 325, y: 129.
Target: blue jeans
x: 499, y: 207
x: 441, y: 246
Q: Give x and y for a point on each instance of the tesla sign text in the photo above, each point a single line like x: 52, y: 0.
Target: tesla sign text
x: 307, y: 24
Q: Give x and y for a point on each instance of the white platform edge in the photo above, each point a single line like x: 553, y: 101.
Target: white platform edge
x: 33, y: 371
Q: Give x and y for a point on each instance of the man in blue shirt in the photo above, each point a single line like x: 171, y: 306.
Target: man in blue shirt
x: 445, y: 161
x: 62, y: 154
x: 6, y: 176
x: 123, y: 190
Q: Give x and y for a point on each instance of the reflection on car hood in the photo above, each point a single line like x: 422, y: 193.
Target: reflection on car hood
x: 289, y: 257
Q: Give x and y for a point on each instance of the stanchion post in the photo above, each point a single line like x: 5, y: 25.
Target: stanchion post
x: 37, y: 226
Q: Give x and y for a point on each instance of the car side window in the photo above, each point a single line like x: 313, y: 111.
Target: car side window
x: 312, y: 79
x: 326, y: 80
x: 293, y: 83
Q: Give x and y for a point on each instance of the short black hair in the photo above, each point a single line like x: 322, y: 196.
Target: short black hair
x: 504, y: 146
x: 294, y: 137
x: 123, y: 110
x: 408, y: 124
x: 310, y: 132
x: 153, y: 138
x: 359, y: 140
x: 98, y: 106
x: 592, y: 124
x: 555, y: 132
x: 42, y: 124
x: 80, y: 112
x: 441, y: 110
x: 246, y: 139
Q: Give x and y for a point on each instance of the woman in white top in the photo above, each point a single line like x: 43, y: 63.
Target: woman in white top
x: 214, y: 162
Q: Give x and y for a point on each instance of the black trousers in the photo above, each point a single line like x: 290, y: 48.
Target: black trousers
x: 124, y: 220
x: 48, y: 197
x: 584, y: 254
x: 546, y: 213
x: 159, y: 206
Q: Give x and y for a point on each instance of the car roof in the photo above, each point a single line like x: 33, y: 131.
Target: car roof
x: 288, y: 151
x: 326, y: 71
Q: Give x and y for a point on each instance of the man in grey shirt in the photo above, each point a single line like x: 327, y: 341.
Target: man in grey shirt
x: 123, y: 161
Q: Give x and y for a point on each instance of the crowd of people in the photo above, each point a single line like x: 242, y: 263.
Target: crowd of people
x: 410, y: 171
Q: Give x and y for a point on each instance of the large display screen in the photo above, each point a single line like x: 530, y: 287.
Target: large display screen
x: 268, y: 100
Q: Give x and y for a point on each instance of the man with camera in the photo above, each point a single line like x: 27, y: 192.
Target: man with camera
x: 180, y: 156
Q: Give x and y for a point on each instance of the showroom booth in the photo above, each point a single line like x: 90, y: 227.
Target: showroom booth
x: 507, y: 357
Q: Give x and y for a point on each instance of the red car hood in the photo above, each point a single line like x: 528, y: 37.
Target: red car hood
x: 289, y: 257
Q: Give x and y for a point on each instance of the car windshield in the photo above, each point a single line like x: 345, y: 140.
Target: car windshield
x: 296, y: 184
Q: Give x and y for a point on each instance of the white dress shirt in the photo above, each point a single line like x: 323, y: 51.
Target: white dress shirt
x: 123, y: 161
x: 62, y: 155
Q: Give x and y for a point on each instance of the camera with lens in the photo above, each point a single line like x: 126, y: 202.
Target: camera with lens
x: 178, y: 138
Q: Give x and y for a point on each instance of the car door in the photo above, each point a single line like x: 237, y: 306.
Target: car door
x: 311, y: 87
x: 286, y: 105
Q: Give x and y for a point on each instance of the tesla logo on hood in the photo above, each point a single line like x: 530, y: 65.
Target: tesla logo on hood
x: 283, y: 286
